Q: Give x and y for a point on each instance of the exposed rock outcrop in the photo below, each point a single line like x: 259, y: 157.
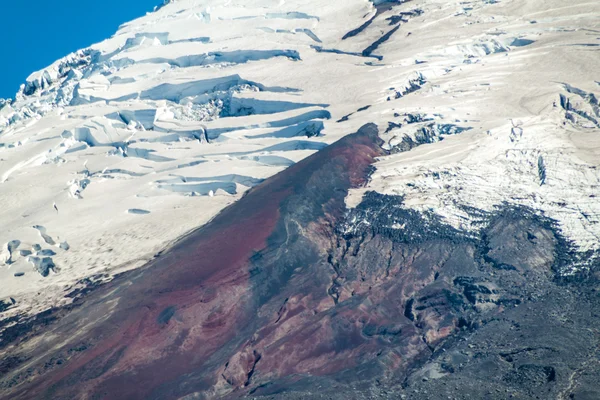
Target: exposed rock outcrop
x: 287, y: 291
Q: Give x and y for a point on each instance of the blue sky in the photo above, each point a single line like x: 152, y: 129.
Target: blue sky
x: 35, y: 33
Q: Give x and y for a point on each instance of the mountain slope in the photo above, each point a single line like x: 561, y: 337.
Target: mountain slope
x: 287, y: 291
x: 476, y: 221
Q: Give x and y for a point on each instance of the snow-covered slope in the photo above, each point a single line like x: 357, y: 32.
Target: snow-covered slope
x: 115, y: 151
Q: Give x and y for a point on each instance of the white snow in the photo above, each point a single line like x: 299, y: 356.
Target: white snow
x: 122, y: 148
x: 526, y: 147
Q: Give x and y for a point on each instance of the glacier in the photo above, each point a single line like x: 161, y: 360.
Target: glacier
x: 112, y: 153
x: 487, y: 114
